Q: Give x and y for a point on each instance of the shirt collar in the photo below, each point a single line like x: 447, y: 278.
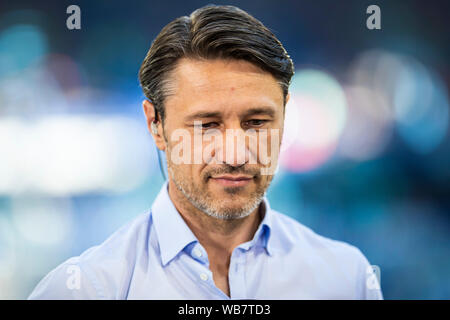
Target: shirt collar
x: 174, y: 235
x: 265, y: 228
x: 172, y: 232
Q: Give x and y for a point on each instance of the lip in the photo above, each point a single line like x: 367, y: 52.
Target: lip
x: 232, y: 181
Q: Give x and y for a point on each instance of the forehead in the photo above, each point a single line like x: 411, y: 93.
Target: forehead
x: 222, y: 85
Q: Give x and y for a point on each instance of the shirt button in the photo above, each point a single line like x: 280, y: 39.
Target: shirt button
x: 203, y: 276
x: 198, y: 252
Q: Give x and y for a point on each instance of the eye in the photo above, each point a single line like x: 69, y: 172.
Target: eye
x: 255, y: 122
x: 208, y: 125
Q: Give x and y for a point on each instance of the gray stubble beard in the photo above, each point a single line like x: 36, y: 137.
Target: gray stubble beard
x: 205, y: 204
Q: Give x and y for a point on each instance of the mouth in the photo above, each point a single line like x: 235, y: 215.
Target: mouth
x: 232, y: 180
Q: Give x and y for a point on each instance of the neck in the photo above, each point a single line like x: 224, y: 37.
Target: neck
x: 215, y: 234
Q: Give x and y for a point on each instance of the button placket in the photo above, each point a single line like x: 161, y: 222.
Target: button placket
x: 236, y: 275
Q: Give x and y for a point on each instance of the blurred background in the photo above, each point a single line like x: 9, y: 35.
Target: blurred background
x: 365, y: 156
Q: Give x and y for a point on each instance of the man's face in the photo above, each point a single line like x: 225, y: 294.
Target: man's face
x: 223, y: 95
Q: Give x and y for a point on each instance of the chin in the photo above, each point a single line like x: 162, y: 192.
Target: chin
x: 234, y: 197
x: 233, y: 204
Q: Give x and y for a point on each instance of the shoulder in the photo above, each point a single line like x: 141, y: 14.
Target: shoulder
x: 331, y: 258
x: 294, y: 233
x: 128, y: 238
x: 94, y: 273
x: 293, y: 238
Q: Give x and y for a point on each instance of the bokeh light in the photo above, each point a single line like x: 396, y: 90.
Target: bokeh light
x: 421, y: 107
x: 369, y: 125
x: 414, y: 94
x: 315, y: 118
x: 42, y: 221
x: 20, y: 47
x: 68, y: 155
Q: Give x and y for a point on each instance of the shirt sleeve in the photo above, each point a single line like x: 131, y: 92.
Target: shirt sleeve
x: 68, y: 281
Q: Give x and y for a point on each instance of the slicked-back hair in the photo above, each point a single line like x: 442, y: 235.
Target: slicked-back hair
x: 212, y: 32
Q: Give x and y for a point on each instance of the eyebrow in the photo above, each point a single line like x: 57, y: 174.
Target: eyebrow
x: 250, y: 112
x: 203, y: 114
x: 261, y: 110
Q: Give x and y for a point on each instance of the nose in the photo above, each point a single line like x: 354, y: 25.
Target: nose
x: 235, y: 150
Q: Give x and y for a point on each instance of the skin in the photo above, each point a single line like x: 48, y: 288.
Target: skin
x: 231, y: 91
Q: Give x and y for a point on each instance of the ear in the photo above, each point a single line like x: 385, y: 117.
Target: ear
x: 150, y: 115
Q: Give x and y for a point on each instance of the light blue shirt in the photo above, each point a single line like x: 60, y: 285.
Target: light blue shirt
x: 156, y: 256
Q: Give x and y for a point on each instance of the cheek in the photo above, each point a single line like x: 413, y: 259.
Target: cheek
x: 263, y: 179
x: 268, y: 148
x: 196, y: 173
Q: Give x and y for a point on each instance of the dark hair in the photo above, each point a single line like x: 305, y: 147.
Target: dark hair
x: 212, y: 32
